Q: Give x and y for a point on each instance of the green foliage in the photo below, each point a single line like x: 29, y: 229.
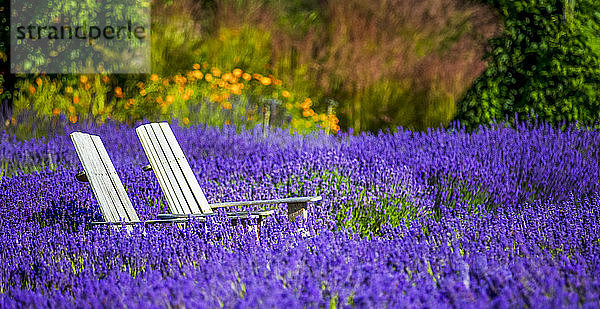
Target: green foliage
x: 369, y: 216
x: 368, y: 219
x: 546, y: 62
x: 453, y: 190
x: 389, y: 103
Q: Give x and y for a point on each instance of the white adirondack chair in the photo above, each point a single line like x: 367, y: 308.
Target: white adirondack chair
x: 180, y: 186
x: 98, y: 170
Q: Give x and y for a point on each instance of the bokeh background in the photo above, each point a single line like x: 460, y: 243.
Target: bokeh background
x: 309, y: 65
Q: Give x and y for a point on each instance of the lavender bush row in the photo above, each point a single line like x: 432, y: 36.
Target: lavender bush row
x: 502, y: 217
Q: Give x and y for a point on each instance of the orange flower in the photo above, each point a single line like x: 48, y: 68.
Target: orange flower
x: 143, y: 92
x: 188, y: 94
x: 166, y: 82
x: 159, y: 100
x: 226, y: 105
x: 75, y: 100
x: 131, y: 101
x: 31, y: 89
x: 285, y: 94
x: 237, y: 73
x: 119, y: 92
x: 246, y: 76
x: 186, y: 121
x: 197, y: 74
x: 170, y: 99
x: 215, y: 72
x: 208, y: 77
x: 236, y: 89
x: 227, y: 122
x: 308, y: 112
x: 154, y: 77
x: 87, y: 86
x: 13, y: 121
x: 105, y: 79
x: 277, y: 82
x: 228, y: 77
x: 55, y: 111
x: 190, y: 75
x: 306, y: 104
x: 83, y: 79
x: 196, y: 67
x: 180, y: 79
x: 1, y: 90
x: 38, y: 81
x: 140, y: 85
x: 69, y: 89
x: 265, y: 81
x: 73, y: 118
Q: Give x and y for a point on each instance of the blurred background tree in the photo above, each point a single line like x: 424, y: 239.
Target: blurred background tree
x: 546, y: 63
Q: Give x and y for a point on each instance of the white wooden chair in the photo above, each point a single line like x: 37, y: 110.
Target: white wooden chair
x: 98, y: 170
x: 180, y: 186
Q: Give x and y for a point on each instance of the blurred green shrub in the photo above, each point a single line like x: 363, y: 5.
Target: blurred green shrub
x: 546, y: 62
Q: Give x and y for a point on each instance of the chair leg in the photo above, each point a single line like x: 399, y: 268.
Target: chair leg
x: 297, y: 209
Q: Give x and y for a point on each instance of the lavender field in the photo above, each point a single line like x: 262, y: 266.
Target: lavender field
x: 498, y: 218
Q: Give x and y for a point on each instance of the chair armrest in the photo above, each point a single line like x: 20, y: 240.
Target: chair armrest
x: 147, y: 168
x: 236, y: 214
x: 297, y: 206
x: 184, y: 216
x: 290, y: 200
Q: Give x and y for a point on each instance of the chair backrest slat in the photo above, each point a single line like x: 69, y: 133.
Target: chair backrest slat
x: 85, y: 151
x: 173, y: 172
x: 162, y: 171
x: 106, y: 185
x: 112, y: 178
x: 199, y: 196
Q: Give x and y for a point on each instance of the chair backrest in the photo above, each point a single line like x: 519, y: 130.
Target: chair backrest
x: 102, y: 176
x: 172, y: 169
